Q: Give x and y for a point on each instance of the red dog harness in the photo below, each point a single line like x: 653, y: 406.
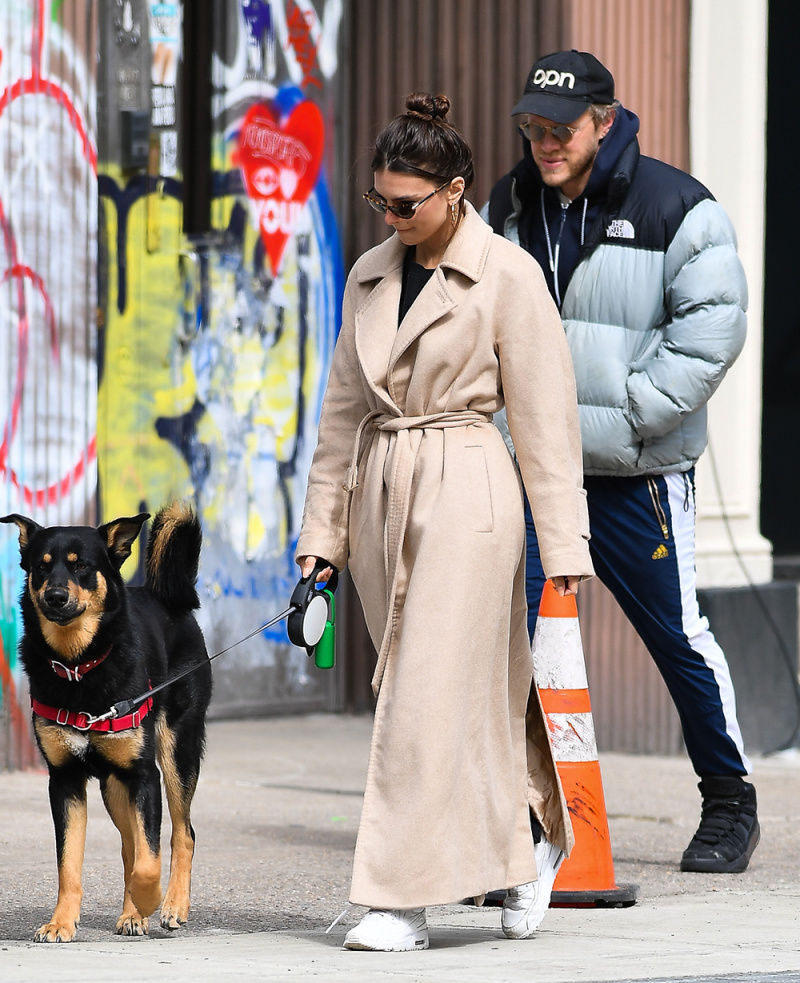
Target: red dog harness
x: 83, y: 721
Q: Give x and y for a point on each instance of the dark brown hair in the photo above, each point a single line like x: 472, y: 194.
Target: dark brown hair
x: 422, y: 141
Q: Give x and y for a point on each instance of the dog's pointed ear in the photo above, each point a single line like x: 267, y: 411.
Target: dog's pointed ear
x: 27, y: 529
x: 120, y: 536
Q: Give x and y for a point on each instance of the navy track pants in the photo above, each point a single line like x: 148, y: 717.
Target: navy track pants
x: 643, y: 550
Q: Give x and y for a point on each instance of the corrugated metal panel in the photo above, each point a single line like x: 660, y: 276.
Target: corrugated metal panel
x: 478, y: 54
x: 48, y: 249
x: 645, y: 45
x: 631, y: 707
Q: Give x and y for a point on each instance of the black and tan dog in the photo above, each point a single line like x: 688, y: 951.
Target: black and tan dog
x: 89, y: 643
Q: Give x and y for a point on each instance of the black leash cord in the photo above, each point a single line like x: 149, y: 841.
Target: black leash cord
x: 124, y: 707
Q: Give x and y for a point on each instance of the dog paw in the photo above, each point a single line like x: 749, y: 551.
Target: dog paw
x: 174, y: 916
x: 172, y: 922
x: 55, y: 932
x: 132, y: 925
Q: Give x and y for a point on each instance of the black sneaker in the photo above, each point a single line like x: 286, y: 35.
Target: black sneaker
x: 728, y: 832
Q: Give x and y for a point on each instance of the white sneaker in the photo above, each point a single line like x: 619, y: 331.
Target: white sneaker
x: 526, y: 905
x: 390, y: 931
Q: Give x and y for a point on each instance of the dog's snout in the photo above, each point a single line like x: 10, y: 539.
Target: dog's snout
x: 56, y: 597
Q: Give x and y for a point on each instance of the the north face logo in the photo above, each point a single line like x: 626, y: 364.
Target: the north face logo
x: 660, y: 553
x: 620, y: 228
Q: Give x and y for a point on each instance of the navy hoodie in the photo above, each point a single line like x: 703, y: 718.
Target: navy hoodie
x: 577, y: 228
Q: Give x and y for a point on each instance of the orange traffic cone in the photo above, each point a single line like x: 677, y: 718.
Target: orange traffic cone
x: 586, y: 877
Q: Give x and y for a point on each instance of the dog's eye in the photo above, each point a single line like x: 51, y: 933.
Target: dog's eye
x: 80, y: 566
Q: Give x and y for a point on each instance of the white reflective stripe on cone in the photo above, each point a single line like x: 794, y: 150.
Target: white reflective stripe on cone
x: 572, y: 735
x: 558, y: 654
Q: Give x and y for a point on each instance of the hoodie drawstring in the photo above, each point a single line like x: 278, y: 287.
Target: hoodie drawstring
x: 583, y: 220
x: 553, y: 254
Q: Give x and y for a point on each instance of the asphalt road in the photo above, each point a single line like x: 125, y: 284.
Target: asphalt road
x: 276, y: 815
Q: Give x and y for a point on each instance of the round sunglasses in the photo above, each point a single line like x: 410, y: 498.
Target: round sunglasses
x: 535, y: 132
x: 405, y: 209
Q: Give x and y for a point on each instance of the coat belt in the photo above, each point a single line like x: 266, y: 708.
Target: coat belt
x: 405, y: 453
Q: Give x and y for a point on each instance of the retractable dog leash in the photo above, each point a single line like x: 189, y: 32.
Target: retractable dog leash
x: 311, y: 625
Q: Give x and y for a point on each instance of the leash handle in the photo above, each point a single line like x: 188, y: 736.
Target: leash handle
x: 311, y: 607
x: 306, y: 586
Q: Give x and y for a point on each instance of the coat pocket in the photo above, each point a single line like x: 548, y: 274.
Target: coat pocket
x: 479, y: 510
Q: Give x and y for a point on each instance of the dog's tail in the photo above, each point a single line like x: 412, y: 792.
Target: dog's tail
x: 173, y: 555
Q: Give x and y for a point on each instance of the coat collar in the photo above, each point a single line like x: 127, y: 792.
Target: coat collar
x: 466, y: 252
x: 379, y: 342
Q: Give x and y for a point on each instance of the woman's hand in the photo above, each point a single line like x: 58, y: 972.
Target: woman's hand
x: 566, y: 586
x: 307, y: 564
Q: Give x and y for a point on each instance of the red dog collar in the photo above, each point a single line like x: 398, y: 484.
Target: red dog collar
x: 76, y: 673
x: 83, y: 721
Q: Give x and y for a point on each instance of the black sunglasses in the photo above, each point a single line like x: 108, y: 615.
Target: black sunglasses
x: 405, y: 209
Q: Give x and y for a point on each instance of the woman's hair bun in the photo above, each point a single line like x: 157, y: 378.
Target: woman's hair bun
x: 423, y: 141
x: 427, y: 105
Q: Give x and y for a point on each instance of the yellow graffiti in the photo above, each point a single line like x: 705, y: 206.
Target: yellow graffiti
x: 135, y: 466
x: 238, y: 375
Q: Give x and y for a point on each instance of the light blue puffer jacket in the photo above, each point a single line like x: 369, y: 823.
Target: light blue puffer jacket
x: 654, y: 311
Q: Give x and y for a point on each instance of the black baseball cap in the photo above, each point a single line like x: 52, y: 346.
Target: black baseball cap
x: 562, y: 85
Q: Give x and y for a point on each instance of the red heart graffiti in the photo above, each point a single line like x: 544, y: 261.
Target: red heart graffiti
x: 280, y: 161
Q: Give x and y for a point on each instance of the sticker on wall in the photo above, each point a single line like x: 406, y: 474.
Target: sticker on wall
x: 280, y: 158
x: 260, y: 37
x: 164, y: 33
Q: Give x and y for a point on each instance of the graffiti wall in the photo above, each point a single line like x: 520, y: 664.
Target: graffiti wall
x: 214, y: 349
x: 48, y: 297
x: 139, y: 364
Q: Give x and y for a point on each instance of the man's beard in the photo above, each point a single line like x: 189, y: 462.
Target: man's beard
x: 576, y: 170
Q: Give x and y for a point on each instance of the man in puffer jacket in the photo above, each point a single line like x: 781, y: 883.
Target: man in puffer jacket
x: 641, y: 261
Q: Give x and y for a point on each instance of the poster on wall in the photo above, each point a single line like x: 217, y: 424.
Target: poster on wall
x: 280, y: 156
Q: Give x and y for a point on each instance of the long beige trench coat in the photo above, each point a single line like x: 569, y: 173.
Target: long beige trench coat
x: 412, y: 484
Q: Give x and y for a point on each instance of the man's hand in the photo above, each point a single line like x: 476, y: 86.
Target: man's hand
x: 566, y: 586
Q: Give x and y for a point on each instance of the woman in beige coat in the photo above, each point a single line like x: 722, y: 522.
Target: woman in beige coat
x: 412, y: 486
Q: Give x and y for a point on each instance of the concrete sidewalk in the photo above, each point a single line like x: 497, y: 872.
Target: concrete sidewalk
x: 276, y: 816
